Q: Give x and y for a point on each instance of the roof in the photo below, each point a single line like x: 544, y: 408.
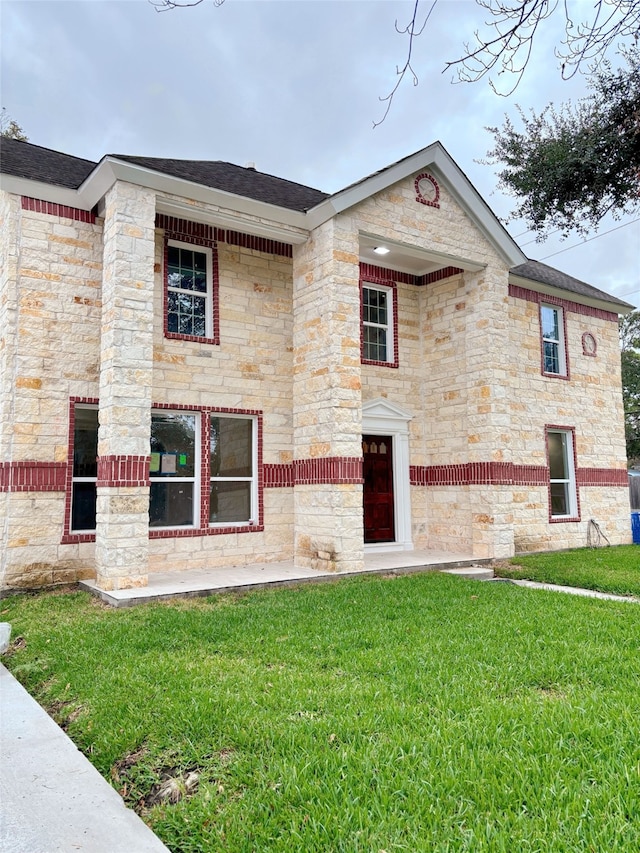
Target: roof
x: 537, y: 271
x: 34, y: 163
x: 25, y: 160
x: 237, y: 180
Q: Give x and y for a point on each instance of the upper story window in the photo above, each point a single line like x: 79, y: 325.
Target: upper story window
x: 554, y: 356
x: 562, y: 475
x: 189, y: 290
x: 378, y: 324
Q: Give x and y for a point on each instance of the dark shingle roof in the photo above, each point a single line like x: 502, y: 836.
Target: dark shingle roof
x: 537, y: 271
x: 233, y: 179
x: 25, y: 160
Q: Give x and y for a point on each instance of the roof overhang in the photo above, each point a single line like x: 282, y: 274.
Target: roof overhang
x: 562, y: 293
x: 410, y: 258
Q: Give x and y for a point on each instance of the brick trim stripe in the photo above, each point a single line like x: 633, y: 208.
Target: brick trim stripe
x: 115, y: 471
x: 33, y: 476
x: 372, y: 271
x: 278, y: 476
x: 196, y: 231
x: 328, y: 469
x: 602, y: 477
x: 479, y: 474
x: 586, y: 310
x: 52, y: 209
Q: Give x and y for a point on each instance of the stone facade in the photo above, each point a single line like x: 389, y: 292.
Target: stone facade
x: 84, y: 319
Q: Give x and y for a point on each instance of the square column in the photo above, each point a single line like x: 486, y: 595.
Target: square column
x: 126, y: 359
x: 327, y: 400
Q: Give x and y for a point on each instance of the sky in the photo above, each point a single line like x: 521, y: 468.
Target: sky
x: 293, y: 86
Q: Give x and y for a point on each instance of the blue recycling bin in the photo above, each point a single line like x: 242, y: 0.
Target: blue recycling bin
x: 635, y: 527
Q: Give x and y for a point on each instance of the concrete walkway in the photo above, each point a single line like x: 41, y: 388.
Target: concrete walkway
x: 574, y: 590
x: 52, y: 799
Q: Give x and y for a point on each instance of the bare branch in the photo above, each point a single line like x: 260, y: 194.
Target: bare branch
x: 411, y: 31
x: 166, y: 5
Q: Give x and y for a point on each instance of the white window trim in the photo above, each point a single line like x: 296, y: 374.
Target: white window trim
x: 562, y: 354
x: 208, y: 296
x: 74, y: 480
x: 253, y: 514
x: 196, y: 479
x: 570, y: 480
x: 389, y: 326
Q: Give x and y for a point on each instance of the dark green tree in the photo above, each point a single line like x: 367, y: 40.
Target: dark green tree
x: 569, y: 167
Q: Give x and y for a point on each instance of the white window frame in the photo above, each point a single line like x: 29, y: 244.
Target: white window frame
x: 197, y: 469
x: 558, y: 342
x: 388, y: 327
x: 253, y: 479
x: 74, y: 479
x: 208, y: 296
x: 569, y: 480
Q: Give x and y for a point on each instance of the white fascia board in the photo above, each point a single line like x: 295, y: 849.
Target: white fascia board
x: 435, y: 158
x: 44, y: 192
x: 110, y: 170
x: 569, y: 295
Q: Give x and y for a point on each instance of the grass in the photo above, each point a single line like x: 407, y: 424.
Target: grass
x: 615, y: 570
x: 422, y: 713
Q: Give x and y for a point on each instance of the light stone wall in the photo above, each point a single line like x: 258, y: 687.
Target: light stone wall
x: 50, y: 304
x: 251, y: 369
x: 327, y: 405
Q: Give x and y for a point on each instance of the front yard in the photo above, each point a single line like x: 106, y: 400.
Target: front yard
x: 420, y: 713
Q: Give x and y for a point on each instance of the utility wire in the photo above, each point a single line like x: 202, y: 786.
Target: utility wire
x: 589, y: 239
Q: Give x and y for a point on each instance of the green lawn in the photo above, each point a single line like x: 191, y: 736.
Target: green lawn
x: 422, y: 713
x: 614, y: 570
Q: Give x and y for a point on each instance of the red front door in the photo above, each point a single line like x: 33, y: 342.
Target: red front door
x: 378, y: 488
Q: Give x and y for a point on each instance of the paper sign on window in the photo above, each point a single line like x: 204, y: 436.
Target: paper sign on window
x: 168, y: 463
x: 154, y: 465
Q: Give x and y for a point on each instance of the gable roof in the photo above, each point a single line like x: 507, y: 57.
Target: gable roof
x: 306, y: 207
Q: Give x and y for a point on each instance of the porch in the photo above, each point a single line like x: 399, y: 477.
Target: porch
x: 167, y: 585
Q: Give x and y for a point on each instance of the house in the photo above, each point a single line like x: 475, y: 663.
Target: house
x: 203, y: 365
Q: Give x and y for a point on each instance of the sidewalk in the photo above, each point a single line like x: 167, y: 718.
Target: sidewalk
x: 52, y: 799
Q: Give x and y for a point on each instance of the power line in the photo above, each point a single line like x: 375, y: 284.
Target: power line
x: 589, y: 239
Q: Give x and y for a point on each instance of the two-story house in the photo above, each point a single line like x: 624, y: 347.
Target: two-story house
x: 202, y: 366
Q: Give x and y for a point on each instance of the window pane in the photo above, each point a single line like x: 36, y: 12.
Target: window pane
x: 187, y: 269
x: 375, y: 343
x: 551, y: 358
x: 230, y: 502
x: 85, y: 443
x: 557, y: 456
x: 171, y: 504
x: 550, y: 323
x: 231, y: 447
x: 83, y: 506
x: 559, y: 499
x: 173, y: 443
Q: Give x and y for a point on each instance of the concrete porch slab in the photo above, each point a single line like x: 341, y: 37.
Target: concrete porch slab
x: 184, y: 584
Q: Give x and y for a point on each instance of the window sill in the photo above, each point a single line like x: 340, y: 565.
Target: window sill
x: 564, y: 376
x: 196, y: 339
x: 379, y: 363
x: 564, y: 519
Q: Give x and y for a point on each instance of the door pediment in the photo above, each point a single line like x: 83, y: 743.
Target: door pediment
x: 380, y: 414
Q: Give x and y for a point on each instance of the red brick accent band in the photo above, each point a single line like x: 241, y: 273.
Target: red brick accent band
x: 53, y: 209
x: 115, y: 471
x: 278, y: 476
x: 586, y: 310
x: 602, y: 477
x: 182, y: 229
x: 376, y: 273
x: 479, y: 474
x: 32, y: 476
x: 328, y: 469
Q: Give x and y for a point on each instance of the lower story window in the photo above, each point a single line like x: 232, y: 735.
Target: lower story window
x: 173, y: 497
x: 562, y: 477
x: 85, y: 469
x: 232, y: 465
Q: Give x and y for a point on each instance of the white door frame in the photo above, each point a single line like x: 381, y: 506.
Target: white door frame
x: 380, y: 417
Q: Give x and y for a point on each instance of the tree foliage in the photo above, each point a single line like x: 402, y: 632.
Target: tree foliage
x: 570, y: 167
x: 630, y: 344
x: 10, y: 129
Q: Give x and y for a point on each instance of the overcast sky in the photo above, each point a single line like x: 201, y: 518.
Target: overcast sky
x: 291, y: 86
